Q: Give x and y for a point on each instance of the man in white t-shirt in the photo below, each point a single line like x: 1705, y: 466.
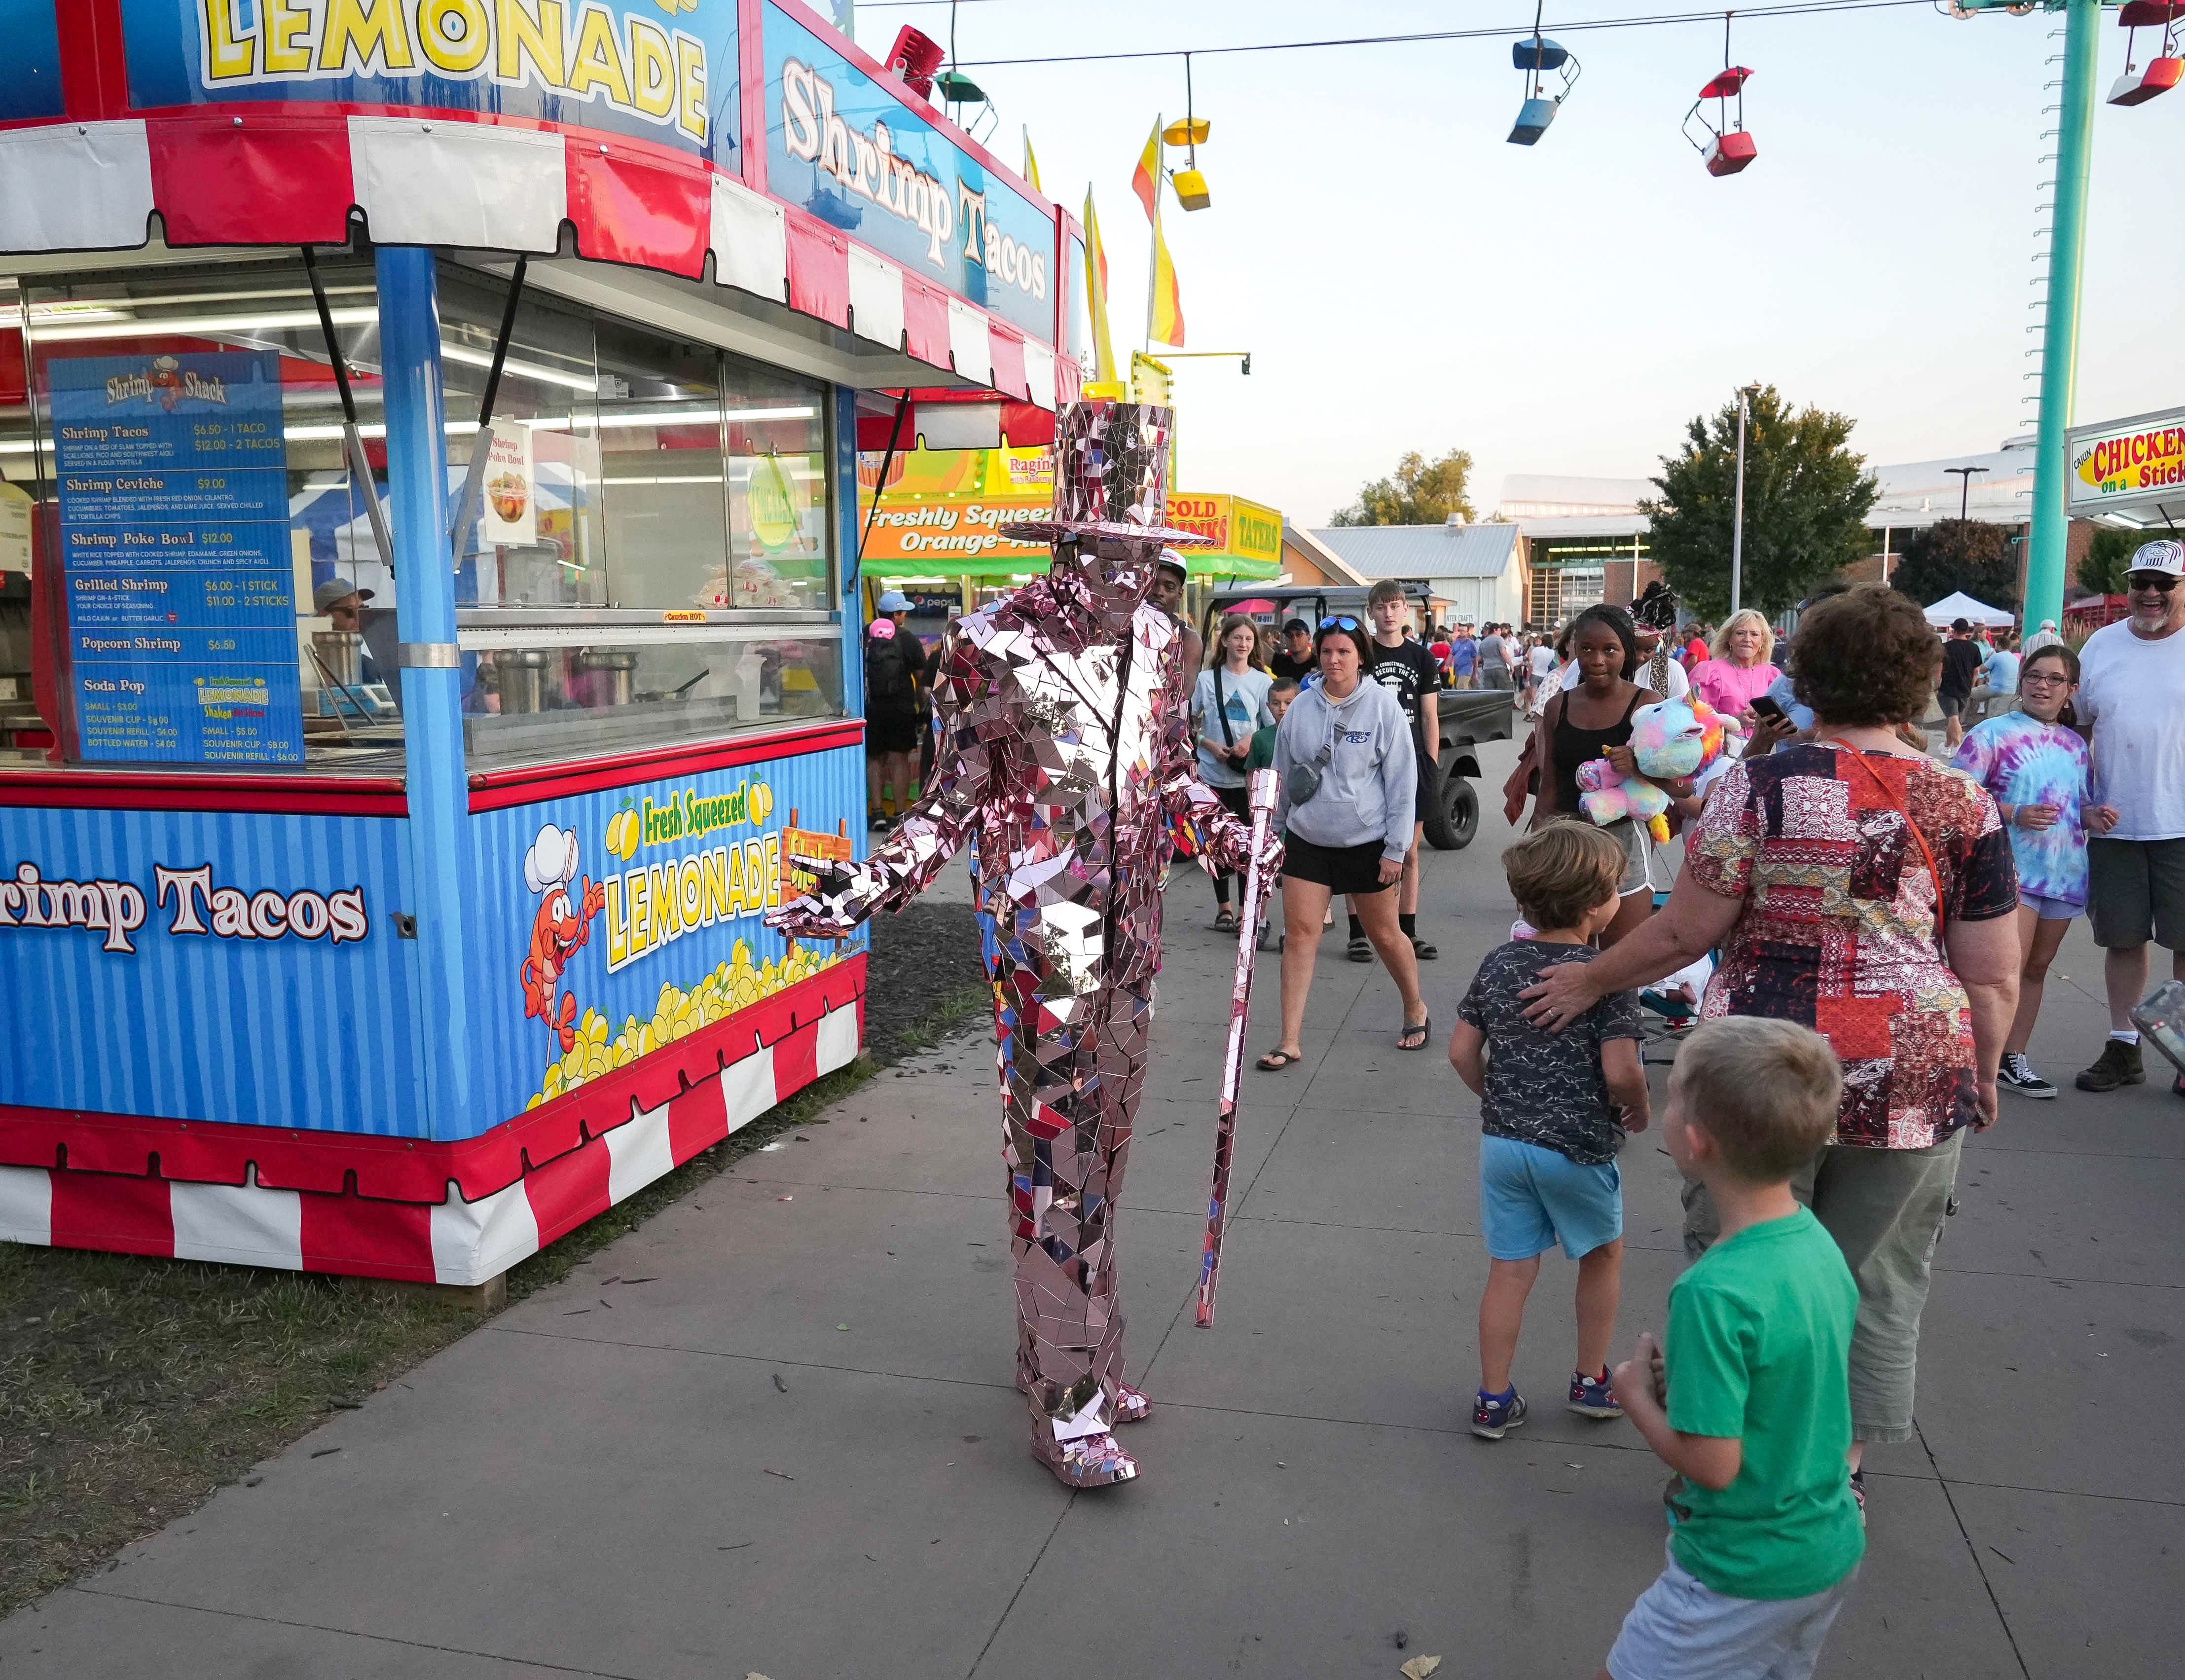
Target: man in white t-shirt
x: 2131, y: 689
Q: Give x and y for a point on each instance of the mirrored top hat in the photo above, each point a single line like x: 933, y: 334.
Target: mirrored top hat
x: 1110, y: 477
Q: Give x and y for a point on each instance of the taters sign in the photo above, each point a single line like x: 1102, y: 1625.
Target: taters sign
x: 1239, y: 529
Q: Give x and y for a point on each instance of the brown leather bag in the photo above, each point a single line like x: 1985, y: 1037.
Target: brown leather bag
x: 1524, y: 781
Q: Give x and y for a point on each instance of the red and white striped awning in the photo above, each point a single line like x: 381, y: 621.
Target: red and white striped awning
x: 229, y: 178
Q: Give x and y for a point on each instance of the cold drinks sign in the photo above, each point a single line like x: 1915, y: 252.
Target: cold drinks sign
x: 174, y: 503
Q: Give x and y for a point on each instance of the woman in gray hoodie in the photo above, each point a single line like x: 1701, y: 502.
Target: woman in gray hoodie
x: 1350, y: 789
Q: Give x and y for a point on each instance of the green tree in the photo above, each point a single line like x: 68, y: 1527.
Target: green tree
x: 1806, y: 501
x: 2109, y: 557
x: 1960, y: 554
x: 1422, y: 493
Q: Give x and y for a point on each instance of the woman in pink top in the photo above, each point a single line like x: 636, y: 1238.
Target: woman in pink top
x: 1739, y: 672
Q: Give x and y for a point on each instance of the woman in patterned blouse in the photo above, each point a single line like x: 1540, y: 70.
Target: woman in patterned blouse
x: 1856, y: 887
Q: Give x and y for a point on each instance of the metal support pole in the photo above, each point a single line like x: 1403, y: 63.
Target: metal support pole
x: 440, y: 850
x: 2060, y: 343
x: 1737, y: 532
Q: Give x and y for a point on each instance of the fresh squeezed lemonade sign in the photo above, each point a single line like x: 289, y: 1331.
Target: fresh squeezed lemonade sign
x: 642, y: 61
x: 657, y: 901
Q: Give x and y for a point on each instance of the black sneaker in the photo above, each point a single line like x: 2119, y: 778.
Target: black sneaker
x: 2118, y: 1065
x: 2016, y: 1074
x: 1492, y: 1418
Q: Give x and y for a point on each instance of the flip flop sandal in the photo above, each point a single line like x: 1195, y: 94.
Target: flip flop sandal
x: 1275, y: 1061
x: 1422, y: 1031
x: 1361, y: 949
x: 1423, y: 951
x: 1225, y: 920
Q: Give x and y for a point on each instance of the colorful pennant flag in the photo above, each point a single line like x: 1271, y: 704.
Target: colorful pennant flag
x: 1164, y: 301
x: 1096, y: 293
x: 1145, y: 180
x: 1031, y: 164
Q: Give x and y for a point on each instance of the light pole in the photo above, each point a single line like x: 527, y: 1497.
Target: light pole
x: 1737, y: 529
x: 1965, y: 487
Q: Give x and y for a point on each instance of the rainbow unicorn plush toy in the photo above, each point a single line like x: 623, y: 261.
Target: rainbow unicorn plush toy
x: 1672, y: 739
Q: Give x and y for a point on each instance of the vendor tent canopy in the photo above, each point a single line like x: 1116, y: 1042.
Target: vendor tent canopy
x: 1947, y: 610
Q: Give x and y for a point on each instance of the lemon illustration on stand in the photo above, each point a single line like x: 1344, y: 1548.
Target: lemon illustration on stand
x: 622, y: 833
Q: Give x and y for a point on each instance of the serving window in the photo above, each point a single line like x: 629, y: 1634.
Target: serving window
x: 191, y: 577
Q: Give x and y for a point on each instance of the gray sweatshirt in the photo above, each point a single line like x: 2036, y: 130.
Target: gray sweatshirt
x: 1369, y: 787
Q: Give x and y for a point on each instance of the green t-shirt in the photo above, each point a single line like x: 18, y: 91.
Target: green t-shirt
x: 1262, y: 754
x: 1758, y: 1346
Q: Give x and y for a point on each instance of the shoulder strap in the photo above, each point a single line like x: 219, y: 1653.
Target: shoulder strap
x: 1221, y: 707
x: 1926, y: 852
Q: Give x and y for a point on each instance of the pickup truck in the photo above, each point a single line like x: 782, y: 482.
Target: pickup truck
x: 1467, y: 716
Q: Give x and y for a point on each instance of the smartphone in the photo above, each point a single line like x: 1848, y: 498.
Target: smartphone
x: 1767, y: 708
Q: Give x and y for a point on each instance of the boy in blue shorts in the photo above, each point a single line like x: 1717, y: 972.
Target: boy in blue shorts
x: 1554, y: 1110
x: 1750, y: 1401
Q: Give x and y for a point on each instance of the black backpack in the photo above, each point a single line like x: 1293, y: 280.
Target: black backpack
x: 890, y: 684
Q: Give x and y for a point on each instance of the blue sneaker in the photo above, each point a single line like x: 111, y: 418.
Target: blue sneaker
x: 1593, y: 1396
x: 1495, y: 1415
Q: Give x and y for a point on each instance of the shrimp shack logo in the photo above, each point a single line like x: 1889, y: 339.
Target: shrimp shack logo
x: 166, y: 381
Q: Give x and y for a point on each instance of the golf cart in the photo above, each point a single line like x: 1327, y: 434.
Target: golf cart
x: 1467, y: 716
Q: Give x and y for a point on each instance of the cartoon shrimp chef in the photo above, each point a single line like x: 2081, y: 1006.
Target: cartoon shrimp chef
x: 559, y: 928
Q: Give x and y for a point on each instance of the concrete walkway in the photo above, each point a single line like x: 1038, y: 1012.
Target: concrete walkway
x: 774, y: 1432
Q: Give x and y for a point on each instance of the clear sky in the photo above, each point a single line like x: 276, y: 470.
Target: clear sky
x: 1406, y: 279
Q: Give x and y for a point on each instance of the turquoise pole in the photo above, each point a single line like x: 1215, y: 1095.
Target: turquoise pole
x: 2059, y: 344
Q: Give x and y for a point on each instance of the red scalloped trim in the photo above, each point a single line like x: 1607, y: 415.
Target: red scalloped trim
x: 414, y: 1170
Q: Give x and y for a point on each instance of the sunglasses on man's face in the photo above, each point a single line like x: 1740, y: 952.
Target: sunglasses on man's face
x: 2160, y: 582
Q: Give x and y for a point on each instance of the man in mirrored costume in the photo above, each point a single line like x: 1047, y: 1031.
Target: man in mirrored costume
x: 1064, y: 759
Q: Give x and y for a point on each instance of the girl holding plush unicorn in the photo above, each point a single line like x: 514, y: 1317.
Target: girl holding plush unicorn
x: 1591, y: 722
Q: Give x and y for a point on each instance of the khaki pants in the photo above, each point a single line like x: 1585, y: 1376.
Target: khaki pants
x: 1885, y: 1207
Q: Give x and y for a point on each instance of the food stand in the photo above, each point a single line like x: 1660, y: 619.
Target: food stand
x: 432, y: 426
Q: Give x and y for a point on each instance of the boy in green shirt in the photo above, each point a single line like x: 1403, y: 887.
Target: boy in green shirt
x: 1749, y: 1402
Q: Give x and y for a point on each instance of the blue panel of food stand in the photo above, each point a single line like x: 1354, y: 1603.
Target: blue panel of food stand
x: 937, y: 209
x: 551, y: 936
x: 665, y: 72
x: 235, y: 1023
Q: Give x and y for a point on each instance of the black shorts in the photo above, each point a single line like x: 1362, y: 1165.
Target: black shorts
x: 890, y: 732
x: 1429, y: 787
x: 1952, y: 705
x: 1352, y: 871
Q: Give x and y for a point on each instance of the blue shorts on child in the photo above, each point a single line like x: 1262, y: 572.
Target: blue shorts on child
x: 1683, y: 1629
x: 1531, y: 1198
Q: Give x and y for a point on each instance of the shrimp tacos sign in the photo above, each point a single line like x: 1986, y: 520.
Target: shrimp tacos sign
x: 640, y: 913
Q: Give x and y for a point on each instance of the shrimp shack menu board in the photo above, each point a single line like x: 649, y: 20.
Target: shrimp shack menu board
x: 174, y: 509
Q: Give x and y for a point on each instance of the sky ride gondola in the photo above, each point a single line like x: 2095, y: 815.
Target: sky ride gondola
x: 1535, y: 55
x: 1727, y: 147
x: 2160, y: 73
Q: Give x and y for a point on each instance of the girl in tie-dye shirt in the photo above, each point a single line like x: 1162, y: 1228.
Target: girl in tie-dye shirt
x: 2039, y: 771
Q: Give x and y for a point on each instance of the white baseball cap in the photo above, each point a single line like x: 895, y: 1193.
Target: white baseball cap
x: 2165, y: 555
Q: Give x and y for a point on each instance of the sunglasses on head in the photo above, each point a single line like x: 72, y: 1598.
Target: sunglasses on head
x: 2161, y: 581
x: 1340, y: 621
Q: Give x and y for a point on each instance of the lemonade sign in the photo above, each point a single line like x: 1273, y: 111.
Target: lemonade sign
x: 655, y: 903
